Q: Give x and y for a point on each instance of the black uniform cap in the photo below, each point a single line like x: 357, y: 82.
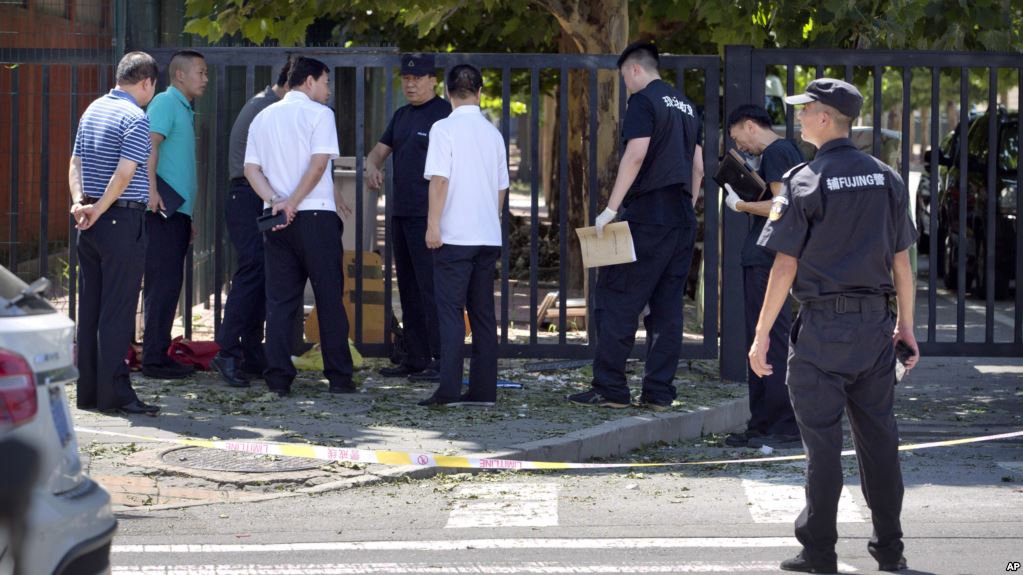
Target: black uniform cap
x: 418, y: 64
x: 840, y: 95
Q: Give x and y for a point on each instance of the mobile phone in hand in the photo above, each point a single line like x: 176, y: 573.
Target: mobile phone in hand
x: 902, y: 353
x: 267, y: 222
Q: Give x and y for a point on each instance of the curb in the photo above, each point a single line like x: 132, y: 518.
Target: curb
x: 605, y: 440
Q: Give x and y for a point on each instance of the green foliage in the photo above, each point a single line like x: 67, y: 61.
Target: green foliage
x: 680, y: 26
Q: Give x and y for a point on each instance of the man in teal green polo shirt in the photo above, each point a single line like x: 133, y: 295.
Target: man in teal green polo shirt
x: 172, y: 131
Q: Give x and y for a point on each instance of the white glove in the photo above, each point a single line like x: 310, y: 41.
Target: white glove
x: 606, y: 217
x: 732, y: 199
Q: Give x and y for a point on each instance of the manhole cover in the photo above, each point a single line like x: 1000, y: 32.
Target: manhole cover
x: 217, y: 460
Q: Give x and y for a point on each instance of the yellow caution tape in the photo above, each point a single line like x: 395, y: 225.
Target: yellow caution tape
x: 385, y: 457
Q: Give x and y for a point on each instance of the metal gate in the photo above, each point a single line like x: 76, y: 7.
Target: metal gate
x: 998, y: 204
x: 356, y: 64
x: 958, y: 313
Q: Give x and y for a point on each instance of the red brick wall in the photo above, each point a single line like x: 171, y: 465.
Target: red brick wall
x: 86, y: 28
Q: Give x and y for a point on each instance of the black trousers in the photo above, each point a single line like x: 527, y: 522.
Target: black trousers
x: 845, y: 362
x: 657, y: 278
x: 166, y: 249
x: 769, y: 404
x: 464, y: 280
x: 111, y: 257
x: 308, y: 249
x: 413, y: 262
x: 241, y: 331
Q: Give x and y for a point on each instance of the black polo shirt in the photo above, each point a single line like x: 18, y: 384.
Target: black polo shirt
x: 664, y: 183
x: 844, y: 216
x: 775, y: 160
x: 408, y: 136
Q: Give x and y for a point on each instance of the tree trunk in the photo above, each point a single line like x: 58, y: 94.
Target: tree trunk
x: 588, y: 27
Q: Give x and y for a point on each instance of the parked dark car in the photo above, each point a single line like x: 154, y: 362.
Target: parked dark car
x: 1006, y: 219
x: 923, y: 190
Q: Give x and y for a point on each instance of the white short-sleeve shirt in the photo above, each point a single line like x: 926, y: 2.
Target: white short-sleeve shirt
x: 282, y: 140
x: 469, y: 151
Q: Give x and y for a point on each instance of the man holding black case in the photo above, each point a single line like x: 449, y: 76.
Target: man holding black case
x: 172, y: 131
x: 771, y: 419
x: 287, y: 160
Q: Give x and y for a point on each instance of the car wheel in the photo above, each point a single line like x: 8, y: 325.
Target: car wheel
x: 1001, y: 281
x: 950, y: 258
x: 923, y: 243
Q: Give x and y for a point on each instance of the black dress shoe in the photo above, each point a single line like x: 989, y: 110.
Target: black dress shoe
x: 170, y: 370
x: 229, y: 371
x: 138, y: 407
x: 428, y: 374
x: 434, y: 401
x: 401, y: 370
x: 741, y: 439
x: 892, y: 566
x: 470, y: 401
x: 804, y: 565
x: 776, y: 441
x: 342, y: 388
x: 252, y: 374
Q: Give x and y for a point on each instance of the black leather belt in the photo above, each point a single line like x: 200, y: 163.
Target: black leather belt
x: 241, y: 180
x: 847, y: 304
x: 130, y: 204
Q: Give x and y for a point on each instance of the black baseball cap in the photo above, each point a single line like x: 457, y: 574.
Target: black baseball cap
x: 840, y: 95
x: 417, y: 64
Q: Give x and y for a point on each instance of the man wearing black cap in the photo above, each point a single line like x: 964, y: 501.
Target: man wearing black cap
x: 408, y: 136
x: 841, y: 230
x: 656, y: 188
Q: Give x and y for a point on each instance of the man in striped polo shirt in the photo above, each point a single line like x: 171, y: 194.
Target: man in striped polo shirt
x: 109, y: 185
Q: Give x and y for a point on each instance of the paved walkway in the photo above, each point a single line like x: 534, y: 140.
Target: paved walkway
x: 942, y: 398
x: 533, y: 422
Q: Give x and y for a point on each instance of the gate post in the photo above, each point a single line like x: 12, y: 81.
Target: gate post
x: 738, y: 91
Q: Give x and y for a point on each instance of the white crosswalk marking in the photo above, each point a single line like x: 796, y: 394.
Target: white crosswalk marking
x: 505, y: 505
x: 539, y: 568
x: 780, y: 498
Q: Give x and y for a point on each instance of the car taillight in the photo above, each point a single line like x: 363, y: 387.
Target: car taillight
x: 18, y: 403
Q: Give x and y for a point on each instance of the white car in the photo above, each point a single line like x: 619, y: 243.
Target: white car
x: 69, y: 524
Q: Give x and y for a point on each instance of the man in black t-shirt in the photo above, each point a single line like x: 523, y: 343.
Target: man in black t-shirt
x: 408, y: 136
x: 656, y: 188
x: 771, y: 420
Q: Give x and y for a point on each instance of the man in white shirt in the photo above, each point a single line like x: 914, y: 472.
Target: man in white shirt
x: 287, y: 162
x: 467, y: 166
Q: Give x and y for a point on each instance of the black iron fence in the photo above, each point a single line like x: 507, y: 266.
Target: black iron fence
x: 538, y: 74
x: 966, y: 199
x: 973, y: 248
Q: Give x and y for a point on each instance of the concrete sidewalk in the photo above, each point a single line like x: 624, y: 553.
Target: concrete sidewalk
x: 534, y: 422
x: 943, y: 398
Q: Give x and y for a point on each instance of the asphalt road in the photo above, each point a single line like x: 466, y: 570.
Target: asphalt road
x: 962, y: 514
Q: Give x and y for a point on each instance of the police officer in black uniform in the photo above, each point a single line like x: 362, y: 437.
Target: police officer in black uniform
x: 408, y: 136
x: 656, y: 188
x: 771, y: 419
x: 841, y: 230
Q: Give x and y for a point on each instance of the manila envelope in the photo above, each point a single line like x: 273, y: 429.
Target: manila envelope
x: 614, y: 248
